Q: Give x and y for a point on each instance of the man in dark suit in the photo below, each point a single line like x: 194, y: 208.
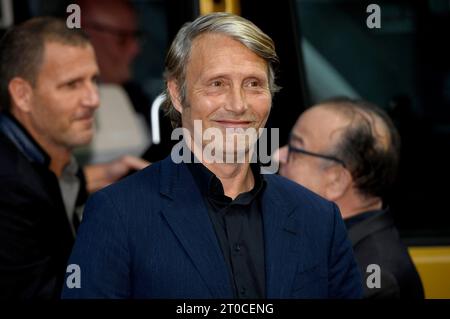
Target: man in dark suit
x: 347, y: 151
x: 199, y: 226
x: 48, y: 95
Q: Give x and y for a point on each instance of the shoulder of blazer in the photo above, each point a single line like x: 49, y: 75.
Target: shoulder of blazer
x: 144, y: 186
x: 147, y: 178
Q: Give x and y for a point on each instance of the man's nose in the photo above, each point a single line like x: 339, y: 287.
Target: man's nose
x: 91, y: 96
x: 237, y: 102
x: 133, y: 48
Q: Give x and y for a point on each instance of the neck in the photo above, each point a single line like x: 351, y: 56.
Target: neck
x: 59, y: 160
x: 355, y: 204
x: 59, y: 155
x: 236, y: 178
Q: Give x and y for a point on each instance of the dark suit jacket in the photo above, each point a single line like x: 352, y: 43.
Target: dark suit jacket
x: 35, y: 236
x: 149, y: 236
x: 375, y: 240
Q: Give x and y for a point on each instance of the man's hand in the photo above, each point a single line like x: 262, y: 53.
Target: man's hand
x: 104, y: 174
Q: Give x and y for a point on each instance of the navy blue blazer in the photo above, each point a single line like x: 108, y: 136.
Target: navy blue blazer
x: 150, y: 236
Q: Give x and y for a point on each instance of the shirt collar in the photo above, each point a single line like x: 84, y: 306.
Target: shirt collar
x: 352, y: 221
x: 210, y: 186
x: 23, y: 140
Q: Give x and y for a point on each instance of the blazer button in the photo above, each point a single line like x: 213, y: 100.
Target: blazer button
x: 237, y: 248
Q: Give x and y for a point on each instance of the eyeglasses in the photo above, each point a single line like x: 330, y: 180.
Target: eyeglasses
x: 293, y: 149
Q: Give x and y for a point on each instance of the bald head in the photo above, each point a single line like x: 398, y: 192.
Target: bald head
x: 350, y: 115
x: 111, y: 26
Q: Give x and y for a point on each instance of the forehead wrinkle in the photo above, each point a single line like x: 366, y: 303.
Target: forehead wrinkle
x: 78, y: 61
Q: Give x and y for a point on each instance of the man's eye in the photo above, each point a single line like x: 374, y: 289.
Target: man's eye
x: 96, y: 80
x: 73, y: 84
x: 253, y: 84
x: 216, y: 83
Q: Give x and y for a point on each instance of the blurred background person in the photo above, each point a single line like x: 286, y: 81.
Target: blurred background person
x: 124, y: 121
x: 112, y: 27
x: 348, y: 151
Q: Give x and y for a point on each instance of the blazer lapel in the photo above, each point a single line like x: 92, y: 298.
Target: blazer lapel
x: 188, y: 218
x: 282, y: 249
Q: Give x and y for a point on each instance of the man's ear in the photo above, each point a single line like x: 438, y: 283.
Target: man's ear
x: 20, y: 91
x: 174, y: 92
x: 339, y: 181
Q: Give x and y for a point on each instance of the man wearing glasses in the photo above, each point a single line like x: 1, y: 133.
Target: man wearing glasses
x: 112, y: 27
x: 347, y: 151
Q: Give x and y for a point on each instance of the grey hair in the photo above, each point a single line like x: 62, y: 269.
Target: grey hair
x: 237, y: 28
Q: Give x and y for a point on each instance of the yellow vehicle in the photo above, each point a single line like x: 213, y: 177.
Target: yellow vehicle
x: 433, y: 264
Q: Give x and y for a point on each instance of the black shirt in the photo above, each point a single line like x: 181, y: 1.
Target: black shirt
x: 238, y: 225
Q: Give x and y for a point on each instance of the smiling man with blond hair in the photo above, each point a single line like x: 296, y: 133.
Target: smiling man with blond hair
x: 202, y: 228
